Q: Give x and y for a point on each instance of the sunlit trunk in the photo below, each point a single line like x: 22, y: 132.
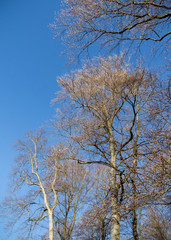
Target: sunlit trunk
x: 115, y: 209
x: 51, y: 237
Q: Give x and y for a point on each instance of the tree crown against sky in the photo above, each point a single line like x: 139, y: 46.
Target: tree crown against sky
x: 108, y: 89
x: 111, y: 23
x: 110, y: 114
x: 107, y: 117
x: 45, y: 190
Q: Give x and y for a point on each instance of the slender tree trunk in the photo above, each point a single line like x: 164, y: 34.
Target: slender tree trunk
x: 103, y: 230
x: 135, y: 233
x: 51, y: 237
x: 135, y: 222
x: 115, y: 209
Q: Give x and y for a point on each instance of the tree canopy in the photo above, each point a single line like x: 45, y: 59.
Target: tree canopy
x: 112, y: 22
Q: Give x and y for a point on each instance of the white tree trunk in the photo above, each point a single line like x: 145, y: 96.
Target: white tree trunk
x: 115, y: 209
x: 51, y: 237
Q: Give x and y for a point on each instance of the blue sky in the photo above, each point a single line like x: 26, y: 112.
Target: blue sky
x: 30, y: 61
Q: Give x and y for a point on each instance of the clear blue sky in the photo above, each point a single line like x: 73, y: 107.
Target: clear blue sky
x: 30, y: 61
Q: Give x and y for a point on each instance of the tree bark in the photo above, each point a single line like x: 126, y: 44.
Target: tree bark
x: 115, y: 209
x: 51, y: 237
x: 135, y: 233
x: 135, y: 223
x: 103, y: 230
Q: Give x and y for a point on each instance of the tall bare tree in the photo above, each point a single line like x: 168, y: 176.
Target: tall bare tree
x: 47, y: 191
x: 107, y: 102
x: 30, y: 170
x: 111, y: 22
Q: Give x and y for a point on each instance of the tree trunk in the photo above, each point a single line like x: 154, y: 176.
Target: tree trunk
x: 135, y: 223
x: 51, y: 237
x: 115, y: 209
x: 103, y: 230
x: 135, y: 232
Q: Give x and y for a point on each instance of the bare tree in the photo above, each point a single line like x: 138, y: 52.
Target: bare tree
x: 74, y: 184
x: 46, y: 189
x: 95, y: 221
x: 156, y: 224
x: 150, y: 178
x: 30, y: 177
x: 107, y: 102
x: 111, y: 22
